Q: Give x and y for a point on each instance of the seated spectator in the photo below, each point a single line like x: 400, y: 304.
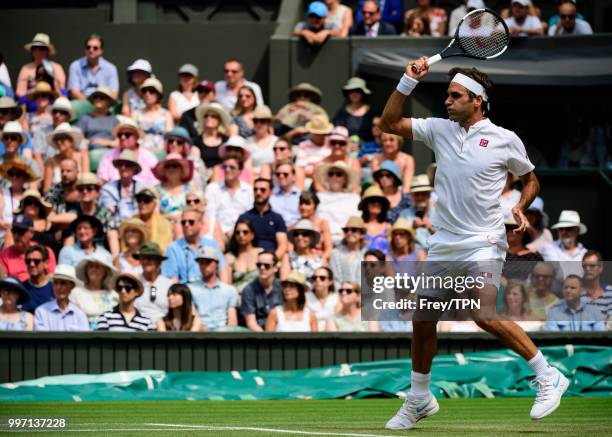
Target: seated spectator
x: 128, y: 136
x: 519, y: 259
x: 41, y: 98
x: 12, y: 257
x: 392, y: 12
x: 322, y: 300
x: 59, y: 314
x: 313, y: 150
x: 211, y: 227
x: 374, y: 206
x: 538, y: 225
x: 41, y: 50
x: 213, y: 123
x: 180, y: 264
x: 293, y: 315
x: 133, y: 233
x: 416, y: 25
x: 572, y: 314
x: 186, y: 97
x: 596, y: 291
x: 227, y: 90
x: 85, y: 228
x: 403, y: 252
x: 348, y: 317
x: 566, y: 248
x: 61, y: 112
x: 460, y: 11
x: 33, y: 205
x: 96, y: 295
x: 340, y: 200
x: 345, y: 260
x: 372, y: 25
x: 125, y: 317
x: 282, y: 153
x: 541, y: 295
x: 304, y: 105
x: 153, y: 303
x: 303, y: 258
x: 14, y: 142
x: 285, y: 195
x: 175, y: 174
x: 38, y: 285
x: 242, y: 254
x: 516, y: 307
x: 118, y: 196
x: 178, y: 141
x: 65, y: 139
x: 389, y: 179
x: 341, y: 17
x: 12, y: 318
x: 569, y: 22
x: 206, y: 95
x: 308, y: 211
x: 98, y: 125
x: 242, y: 113
x: 270, y: 228
x: 262, y: 141
x: 180, y: 315
x: 92, y: 70
x: 18, y: 175
x: 356, y: 115
x: 158, y: 226
x: 153, y: 119
x: 137, y: 72
x: 235, y: 145
x: 63, y: 195
x: 261, y: 294
x: 369, y: 150
x: 215, y: 301
x: 521, y: 23
x: 392, y: 151
x: 436, y: 16
x: 422, y: 210
x: 315, y: 30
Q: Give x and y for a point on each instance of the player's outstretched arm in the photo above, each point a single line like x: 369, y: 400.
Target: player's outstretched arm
x: 531, y: 188
x: 391, y: 119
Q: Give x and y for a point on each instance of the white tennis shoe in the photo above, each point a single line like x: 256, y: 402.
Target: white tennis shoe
x: 412, y: 411
x: 550, y: 389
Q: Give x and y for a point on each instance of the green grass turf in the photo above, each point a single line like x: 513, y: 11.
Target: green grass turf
x: 590, y: 417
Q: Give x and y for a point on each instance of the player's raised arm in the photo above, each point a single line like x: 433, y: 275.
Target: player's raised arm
x: 391, y: 120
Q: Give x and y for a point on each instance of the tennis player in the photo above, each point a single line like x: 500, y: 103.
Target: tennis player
x: 473, y: 157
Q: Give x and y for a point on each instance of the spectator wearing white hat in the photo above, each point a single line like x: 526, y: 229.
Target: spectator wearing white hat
x: 118, y: 196
x: 459, y: 12
x: 566, y: 247
x: 92, y: 70
x: 60, y: 314
x: 98, y: 125
x: 13, y: 143
x: 521, y: 23
x: 61, y: 112
x: 154, y: 120
x: 186, y: 96
x: 41, y: 96
x: 538, y: 225
x: 41, y: 50
x: 137, y: 72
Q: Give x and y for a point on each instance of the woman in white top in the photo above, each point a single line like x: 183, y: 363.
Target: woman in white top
x: 340, y: 16
x: 292, y: 315
x: 322, y: 300
x: 132, y: 234
x: 18, y: 174
x: 153, y: 119
x: 186, y: 96
x: 304, y: 256
x: 261, y: 144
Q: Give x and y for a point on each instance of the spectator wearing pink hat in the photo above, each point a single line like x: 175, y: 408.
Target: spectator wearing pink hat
x: 338, y: 141
x: 174, y: 173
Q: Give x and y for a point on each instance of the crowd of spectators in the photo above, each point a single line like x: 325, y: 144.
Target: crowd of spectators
x: 215, y: 213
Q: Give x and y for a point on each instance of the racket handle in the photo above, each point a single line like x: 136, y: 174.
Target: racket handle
x: 430, y: 62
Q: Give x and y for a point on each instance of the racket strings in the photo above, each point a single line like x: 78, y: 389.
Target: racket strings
x: 483, y: 35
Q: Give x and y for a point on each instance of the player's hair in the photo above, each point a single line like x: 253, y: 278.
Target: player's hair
x: 480, y: 77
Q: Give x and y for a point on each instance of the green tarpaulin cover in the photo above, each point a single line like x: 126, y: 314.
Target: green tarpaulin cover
x: 483, y: 374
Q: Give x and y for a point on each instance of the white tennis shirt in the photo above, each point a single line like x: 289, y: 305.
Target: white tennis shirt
x: 472, y: 171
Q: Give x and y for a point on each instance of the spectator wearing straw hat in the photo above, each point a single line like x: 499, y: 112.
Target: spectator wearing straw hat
x: 285, y: 197
x: 346, y: 258
x: 206, y: 95
x: 160, y: 228
x: 212, y: 125
x: 40, y: 49
x: 566, y: 247
x: 65, y: 139
x: 34, y: 206
x: 261, y: 143
x: 12, y: 318
x: 98, y: 125
x: 422, y: 210
x: 153, y: 119
x: 174, y: 174
x: 18, y: 175
x: 41, y: 97
x: 538, y: 225
x: 60, y: 314
x: 125, y: 317
x: 128, y: 136
x: 15, y: 140
x: 133, y: 233
x: 137, y: 72
x: 293, y: 315
x: 303, y: 258
x: 87, y: 231
x: 154, y: 301
x: 304, y: 104
x: 313, y: 150
x: 118, y: 196
x: 374, y: 206
x: 90, y: 71
x: 402, y: 246
x: 186, y: 96
x: 61, y: 112
x: 389, y: 179
x: 357, y: 114
x: 339, y: 143
x: 38, y: 285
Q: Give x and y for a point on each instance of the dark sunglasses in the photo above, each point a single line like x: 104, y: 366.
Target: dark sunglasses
x: 83, y: 188
x: 352, y: 230
x: 94, y: 48
x: 243, y: 232
x: 18, y: 231
x: 567, y: 17
x: 175, y: 141
x: 346, y: 291
x: 12, y: 173
x: 337, y: 174
x: 34, y: 261
x: 11, y: 137
x: 60, y: 112
x: 244, y: 96
x: 260, y: 189
x: 337, y: 143
x: 60, y: 138
x: 261, y: 120
x: 193, y: 201
x: 265, y: 266
x: 368, y: 13
x: 319, y: 278
x: 385, y: 174
x: 227, y: 70
x: 301, y: 234
x: 227, y: 167
x: 31, y: 202
x: 149, y: 91
x: 281, y: 173
x: 279, y: 148
x: 125, y: 134
x: 125, y: 287
x: 173, y: 165
x: 188, y: 222
x: 144, y: 199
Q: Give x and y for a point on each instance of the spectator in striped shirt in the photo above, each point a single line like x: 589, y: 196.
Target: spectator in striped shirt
x: 125, y: 317
x: 597, y: 292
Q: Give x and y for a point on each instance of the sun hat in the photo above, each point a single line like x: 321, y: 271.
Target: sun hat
x: 189, y: 69
x: 131, y: 278
x: 235, y: 142
x: 135, y: 223
x: 65, y: 129
x: 128, y: 156
x: 509, y: 220
x: 307, y: 226
x: 356, y: 83
x: 178, y: 132
x: 207, y: 252
x: 148, y: 190
x: 98, y: 258
x: 317, y: 8
x: 319, y: 125
x: 352, y: 176
x: 402, y: 224
x: 140, y: 65
x: 7, y: 102
x: 154, y: 83
x: 22, y: 221
x: 475, y: 4
x: 354, y: 222
x: 159, y: 171
x: 373, y: 193
x: 41, y: 40
x: 92, y: 220
x: 420, y: 184
x: 45, y: 207
x: 14, y: 284
x: 296, y: 278
x: 126, y: 123
x: 63, y: 104
x: 150, y: 249
x: 538, y: 206
x: 20, y: 165
x: 66, y: 273
x: 392, y: 168
x: 102, y: 90
x: 306, y: 87
x: 521, y: 2
x: 14, y: 127
x: 42, y: 88
x: 339, y: 133
x: 215, y: 108
x: 88, y: 178
x: 262, y: 112
x: 569, y: 219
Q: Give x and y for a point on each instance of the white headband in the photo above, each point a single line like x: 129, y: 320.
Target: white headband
x: 471, y: 85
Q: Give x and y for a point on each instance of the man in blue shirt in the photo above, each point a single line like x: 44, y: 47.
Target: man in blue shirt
x: 38, y: 285
x: 285, y: 197
x: 92, y: 70
x: 181, y: 264
x: 596, y: 291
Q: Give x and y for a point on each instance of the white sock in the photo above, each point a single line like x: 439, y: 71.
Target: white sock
x: 540, y: 365
x: 419, y: 384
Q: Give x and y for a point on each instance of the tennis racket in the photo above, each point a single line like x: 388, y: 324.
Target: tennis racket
x: 481, y: 34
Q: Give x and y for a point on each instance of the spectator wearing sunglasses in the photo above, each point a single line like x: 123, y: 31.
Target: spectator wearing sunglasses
x: 92, y: 70
x: 369, y: 22
x: 38, y: 285
x: 65, y: 139
x: 40, y: 49
x: 345, y: 260
x: 227, y: 90
x: 285, y: 197
x: 242, y: 254
x: 569, y: 22
x: 14, y: 144
x: 304, y: 257
x: 125, y: 317
x: 339, y: 143
x: 178, y: 141
x: 98, y: 125
x: 322, y: 299
x: 34, y: 206
x: 153, y: 118
x: 175, y: 174
x: 153, y: 303
x: 316, y: 30
x: 159, y: 226
x: 18, y: 174
x: 348, y: 318
x: 118, y: 196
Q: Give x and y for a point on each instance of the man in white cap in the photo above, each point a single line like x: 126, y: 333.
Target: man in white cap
x: 473, y: 156
x: 60, y: 314
x: 567, y: 248
x: 521, y: 23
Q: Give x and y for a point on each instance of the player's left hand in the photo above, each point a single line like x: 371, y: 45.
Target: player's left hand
x: 521, y: 220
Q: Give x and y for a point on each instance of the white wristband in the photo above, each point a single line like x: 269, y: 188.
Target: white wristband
x: 406, y: 85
